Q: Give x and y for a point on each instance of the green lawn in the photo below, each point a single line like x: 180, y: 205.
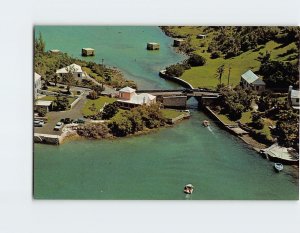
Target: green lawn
x: 97, y: 77
x: 205, y: 76
x: 170, y: 113
x: 99, y: 103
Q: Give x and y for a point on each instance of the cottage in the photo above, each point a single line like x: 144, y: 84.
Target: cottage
x: 129, y: 99
x: 37, y: 84
x: 73, y: 69
x: 201, y: 36
x: 152, y: 46
x: 251, y: 80
x: 47, y: 105
x: 293, y: 98
x: 88, y: 52
x: 178, y: 42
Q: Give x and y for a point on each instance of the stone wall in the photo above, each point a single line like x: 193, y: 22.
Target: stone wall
x: 174, y: 101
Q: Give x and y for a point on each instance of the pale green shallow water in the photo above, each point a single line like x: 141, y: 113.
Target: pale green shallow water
x: 154, y: 166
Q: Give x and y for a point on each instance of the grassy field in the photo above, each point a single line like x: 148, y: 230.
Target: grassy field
x: 170, y: 113
x: 99, y: 103
x: 205, y: 76
x: 97, y: 77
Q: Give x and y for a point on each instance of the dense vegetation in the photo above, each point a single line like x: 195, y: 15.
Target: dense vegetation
x: 125, y: 122
x: 46, y: 64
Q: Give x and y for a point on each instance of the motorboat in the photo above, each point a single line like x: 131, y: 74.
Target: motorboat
x: 278, y: 167
x: 206, y: 123
x: 188, y: 189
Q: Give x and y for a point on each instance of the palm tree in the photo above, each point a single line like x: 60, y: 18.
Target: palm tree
x: 220, y: 72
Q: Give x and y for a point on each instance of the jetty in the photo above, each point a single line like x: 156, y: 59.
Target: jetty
x: 281, y: 154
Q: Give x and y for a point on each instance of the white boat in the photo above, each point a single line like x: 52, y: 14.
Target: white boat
x: 206, y: 123
x: 278, y: 167
x: 188, y: 189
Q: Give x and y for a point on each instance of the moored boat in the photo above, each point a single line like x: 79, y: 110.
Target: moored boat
x: 188, y: 189
x: 278, y: 167
x: 206, y: 123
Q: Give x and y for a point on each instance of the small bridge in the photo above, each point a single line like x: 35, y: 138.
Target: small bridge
x: 177, y: 98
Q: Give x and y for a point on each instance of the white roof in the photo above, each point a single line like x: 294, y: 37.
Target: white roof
x: 295, y: 94
x: 37, y: 76
x: 73, y: 68
x: 127, y: 89
x: 153, y: 43
x: 43, y: 103
x: 88, y: 48
x: 140, y: 99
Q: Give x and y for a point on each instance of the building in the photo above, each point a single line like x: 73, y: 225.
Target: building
x: 128, y: 98
x: 37, y: 84
x: 251, y: 80
x: 178, y: 42
x: 73, y: 69
x: 152, y: 46
x: 47, y: 105
x: 201, y: 36
x: 54, y: 51
x: 293, y: 98
x: 88, y: 52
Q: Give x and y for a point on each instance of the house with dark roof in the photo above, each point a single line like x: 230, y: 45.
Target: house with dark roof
x: 251, y: 80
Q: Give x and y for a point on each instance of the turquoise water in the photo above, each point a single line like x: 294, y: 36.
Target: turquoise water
x: 119, y: 46
x: 154, y: 166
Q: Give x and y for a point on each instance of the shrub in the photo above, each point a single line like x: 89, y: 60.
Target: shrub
x: 42, y: 112
x: 92, y: 95
x: 196, y: 60
x: 109, y: 111
x: 215, y: 54
x: 175, y: 70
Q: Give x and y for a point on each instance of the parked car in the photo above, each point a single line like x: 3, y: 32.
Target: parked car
x: 38, y: 123
x: 79, y: 121
x: 58, y: 126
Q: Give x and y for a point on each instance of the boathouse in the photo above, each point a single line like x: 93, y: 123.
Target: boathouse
x: 152, y: 46
x: 88, y: 52
x: 178, y: 42
x: 128, y: 98
x: 251, y: 80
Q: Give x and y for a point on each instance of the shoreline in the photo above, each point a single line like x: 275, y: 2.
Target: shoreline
x: 255, y: 145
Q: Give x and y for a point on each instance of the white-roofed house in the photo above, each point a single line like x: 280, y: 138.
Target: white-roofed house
x: 293, y: 98
x: 128, y: 98
x: 45, y: 104
x: 251, y: 80
x: 73, y: 69
x: 37, y: 83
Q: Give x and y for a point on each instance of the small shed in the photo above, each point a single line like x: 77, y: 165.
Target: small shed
x: 152, y: 46
x: 54, y: 51
x: 201, y: 36
x: 88, y: 52
x: 178, y: 42
x: 47, y: 105
x: 251, y: 80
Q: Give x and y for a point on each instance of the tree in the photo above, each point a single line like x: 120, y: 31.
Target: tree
x: 196, y: 60
x: 257, y: 121
x: 93, y: 95
x: 220, y: 72
x: 42, y: 112
x: 61, y: 103
x: 121, y: 126
x: 39, y: 45
x: 109, y: 111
